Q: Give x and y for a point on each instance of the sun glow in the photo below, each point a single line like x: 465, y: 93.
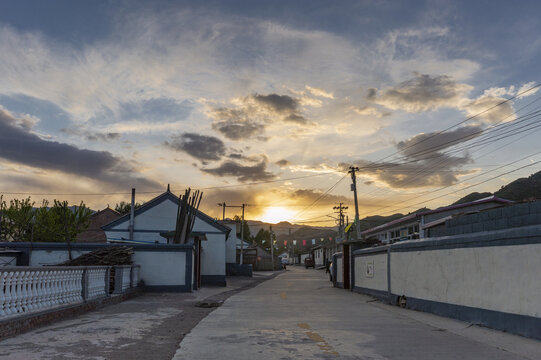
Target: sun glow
x: 275, y: 214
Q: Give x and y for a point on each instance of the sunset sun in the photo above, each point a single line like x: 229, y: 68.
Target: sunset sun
x: 275, y: 214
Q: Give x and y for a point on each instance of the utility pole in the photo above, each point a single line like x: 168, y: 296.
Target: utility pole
x: 340, y: 211
x: 241, y: 227
x: 351, y: 171
x: 242, y: 235
x: 224, y: 206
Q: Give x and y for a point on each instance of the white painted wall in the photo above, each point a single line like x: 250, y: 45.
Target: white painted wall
x: 377, y: 278
x: 230, y: 245
x: 41, y: 257
x: 161, y: 268
x: 304, y: 256
x: 318, y: 257
x: 213, y: 255
x: 500, y: 278
x: 339, y: 270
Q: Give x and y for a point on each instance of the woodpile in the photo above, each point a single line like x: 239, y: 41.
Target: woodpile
x: 113, y: 255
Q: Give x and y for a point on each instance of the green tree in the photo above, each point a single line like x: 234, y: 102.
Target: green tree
x: 247, y: 235
x: 262, y: 238
x: 16, y: 220
x: 124, y: 207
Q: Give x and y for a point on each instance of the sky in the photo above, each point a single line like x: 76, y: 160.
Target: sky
x: 268, y: 103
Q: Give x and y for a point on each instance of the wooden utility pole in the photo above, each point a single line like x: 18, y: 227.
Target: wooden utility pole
x: 340, y: 211
x: 351, y: 171
x: 223, y: 211
x: 241, y: 227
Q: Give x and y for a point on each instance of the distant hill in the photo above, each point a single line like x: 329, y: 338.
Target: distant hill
x: 519, y: 190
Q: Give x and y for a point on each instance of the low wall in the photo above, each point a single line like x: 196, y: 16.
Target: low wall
x: 163, y: 267
x: 370, y: 274
x: 486, y: 278
x: 338, y: 275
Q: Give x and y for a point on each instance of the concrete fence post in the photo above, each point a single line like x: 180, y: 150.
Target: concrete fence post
x: 107, y: 280
x: 85, y: 283
x: 118, y: 280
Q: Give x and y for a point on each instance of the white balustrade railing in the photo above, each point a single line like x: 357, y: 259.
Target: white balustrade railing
x: 25, y: 289
x: 97, y: 278
x: 28, y: 289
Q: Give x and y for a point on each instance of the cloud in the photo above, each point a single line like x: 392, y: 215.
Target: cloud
x: 309, y: 195
x: 426, y: 145
x: 424, y: 162
x: 526, y: 90
x: 277, y: 103
x: 248, y: 117
x: 319, y: 92
x: 235, y: 124
x: 243, y: 173
x: 422, y: 93
x: 91, y: 135
x: 199, y: 146
x: 283, y: 163
x: 21, y: 146
x: 491, y: 109
x: 371, y: 111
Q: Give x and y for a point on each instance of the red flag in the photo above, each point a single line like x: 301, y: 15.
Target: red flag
x: 285, y: 242
x: 330, y: 238
x: 304, y: 243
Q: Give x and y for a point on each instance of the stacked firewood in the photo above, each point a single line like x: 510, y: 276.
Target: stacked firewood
x: 113, y: 255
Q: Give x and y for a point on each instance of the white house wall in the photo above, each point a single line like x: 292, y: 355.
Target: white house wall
x: 371, y: 271
x: 496, y: 278
x: 339, y: 270
x: 162, y: 269
x: 213, y: 255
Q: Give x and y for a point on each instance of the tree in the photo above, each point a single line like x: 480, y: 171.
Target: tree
x: 247, y: 234
x: 16, y: 220
x: 262, y: 238
x: 22, y: 222
x: 124, y: 208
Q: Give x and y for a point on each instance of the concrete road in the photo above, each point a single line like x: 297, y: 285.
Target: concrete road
x: 298, y: 315
x: 149, y: 326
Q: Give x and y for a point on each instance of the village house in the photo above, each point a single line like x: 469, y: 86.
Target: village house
x: 94, y: 233
x: 157, y: 217
x: 425, y: 223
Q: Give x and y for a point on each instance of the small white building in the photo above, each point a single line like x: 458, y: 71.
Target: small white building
x: 159, y: 216
x: 319, y: 256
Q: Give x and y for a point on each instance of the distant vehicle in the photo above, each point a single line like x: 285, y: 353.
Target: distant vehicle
x: 309, y: 262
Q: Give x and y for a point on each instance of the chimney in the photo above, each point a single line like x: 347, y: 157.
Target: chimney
x: 132, y: 213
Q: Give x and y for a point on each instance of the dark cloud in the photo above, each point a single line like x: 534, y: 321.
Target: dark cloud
x: 90, y: 135
x: 423, y: 162
x: 296, y: 118
x: 422, y: 93
x: 426, y: 145
x: 243, y: 173
x: 308, y: 196
x: 18, y: 144
x: 236, y: 129
x: 282, y: 163
x: 251, y: 115
x: 199, y: 146
x: 278, y: 103
x: 371, y: 93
